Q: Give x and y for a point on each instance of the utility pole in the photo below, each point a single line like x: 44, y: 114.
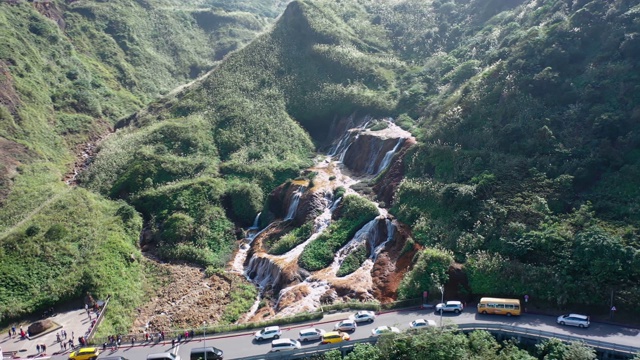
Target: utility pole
x: 441, y: 287
x: 204, y: 338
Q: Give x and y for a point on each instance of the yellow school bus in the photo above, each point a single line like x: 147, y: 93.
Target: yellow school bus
x: 499, y: 306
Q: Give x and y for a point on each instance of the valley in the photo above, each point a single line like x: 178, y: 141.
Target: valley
x: 316, y: 152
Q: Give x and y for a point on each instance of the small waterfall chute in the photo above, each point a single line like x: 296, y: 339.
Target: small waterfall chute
x: 377, y: 248
x: 293, y: 206
x: 256, y: 222
x: 389, y: 156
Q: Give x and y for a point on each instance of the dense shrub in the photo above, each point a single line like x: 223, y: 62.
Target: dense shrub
x: 353, y: 213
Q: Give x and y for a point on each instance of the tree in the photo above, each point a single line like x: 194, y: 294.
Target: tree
x: 364, y: 351
x: 429, y: 272
x: 554, y: 349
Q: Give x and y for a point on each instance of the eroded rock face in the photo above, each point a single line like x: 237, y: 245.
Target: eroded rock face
x: 366, y: 153
x: 391, y: 265
x: 39, y: 327
x: 386, y: 186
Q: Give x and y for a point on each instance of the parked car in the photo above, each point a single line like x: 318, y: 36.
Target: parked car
x: 333, y: 337
x: 89, y: 353
x: 363, y: 316
x: 574, y: 320
x: 284, y: 344
x: 450, y: 306
x: 422, y: 323
x: 213, y: 353
x: 310, y: 334
x: 271, y: 332
x: 345, y: 325
x: 384, y: 330
x: 163, y: 356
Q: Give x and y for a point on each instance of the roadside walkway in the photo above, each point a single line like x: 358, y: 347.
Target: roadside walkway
x: 75, y: 322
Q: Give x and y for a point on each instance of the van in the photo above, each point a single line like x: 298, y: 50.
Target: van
x: 163, y: 356
x: 212, y: 353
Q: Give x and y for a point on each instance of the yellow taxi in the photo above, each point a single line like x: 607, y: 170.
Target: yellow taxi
x: 89, y: 353
x: 333, y: 337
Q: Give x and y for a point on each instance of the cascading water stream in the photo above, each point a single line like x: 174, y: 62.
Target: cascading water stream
x: 388, y: 156
x: 272, y: 272
x: 256, y: 222
x: 368, y: 231
x: 293, y: 207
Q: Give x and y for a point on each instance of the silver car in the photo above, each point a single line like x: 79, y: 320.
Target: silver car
x: 311, y: 334
x: 450, y: 306
x: 574, y: 320
x: 345, y: 325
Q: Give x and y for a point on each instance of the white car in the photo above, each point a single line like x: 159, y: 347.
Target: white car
x: 422, y: 323
x: 450, y: 306
x: 574, y: 320
x: 284, y: 344
x: 271, y: 332
x: 310, y: 334
x: 384, y: 330
x: 345, y: 325
x: 363, y: 316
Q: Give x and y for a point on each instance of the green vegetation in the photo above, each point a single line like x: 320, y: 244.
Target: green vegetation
x: 71, y: 254
x: 292, y: 239
x: 68, y: 72
x: 353, y: 261
x: 242, y: 295
x: 526, y: 119
x: 429, y: 272
x: 353, y: 213
x: 434, y: 344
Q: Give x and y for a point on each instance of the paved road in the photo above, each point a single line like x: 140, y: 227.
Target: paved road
x: 240, y: 345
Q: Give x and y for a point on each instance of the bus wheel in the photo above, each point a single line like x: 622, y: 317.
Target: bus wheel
x: 509, y: 314
x: 484, y: 312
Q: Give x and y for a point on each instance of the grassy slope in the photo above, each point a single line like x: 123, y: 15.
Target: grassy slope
x: 242, y: 123
x: 64, y: 79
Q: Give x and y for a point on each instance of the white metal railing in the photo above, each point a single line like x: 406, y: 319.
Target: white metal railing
x: 515, y: 330
x: 505, y: 329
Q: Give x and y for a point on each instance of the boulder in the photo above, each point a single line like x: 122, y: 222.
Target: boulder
x: 39, y: 327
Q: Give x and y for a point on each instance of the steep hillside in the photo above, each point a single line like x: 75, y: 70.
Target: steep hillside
x: 68, y: 71
x: 526, y: 112
x: 238, y: 130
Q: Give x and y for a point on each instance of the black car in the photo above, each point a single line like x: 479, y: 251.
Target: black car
x: 213, y: 353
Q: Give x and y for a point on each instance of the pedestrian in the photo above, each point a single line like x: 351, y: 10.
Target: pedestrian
x: 146, y: 336
x: 38, y: 348
x: 43, y: 347
x: 13, y: 330
x: 179, y: 337
x: 133, y: 341
x: 9, y: 334
x: 173, y: 342
x: 64, y: 334
x: 59, y: 342
x: 58, y: 336
x: 70, y: 343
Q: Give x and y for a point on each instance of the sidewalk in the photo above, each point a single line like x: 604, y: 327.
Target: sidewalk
x: 74, y: 322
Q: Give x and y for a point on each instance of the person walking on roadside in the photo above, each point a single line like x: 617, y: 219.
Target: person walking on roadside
x: 44, y: 348
x: 13, y: 330
x: 9, y: 334
x: 38, y: 348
